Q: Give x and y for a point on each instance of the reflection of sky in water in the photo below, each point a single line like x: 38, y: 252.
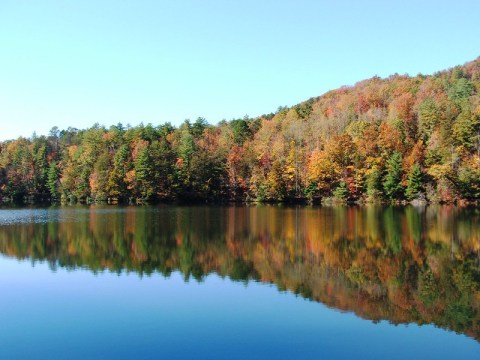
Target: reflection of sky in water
x: 48, y: 312
x: 29, y: 216
x: 76, y: 314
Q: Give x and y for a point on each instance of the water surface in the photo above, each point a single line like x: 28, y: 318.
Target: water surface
x: 240, y: 282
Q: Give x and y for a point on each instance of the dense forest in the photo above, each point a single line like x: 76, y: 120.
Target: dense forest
x: 396, y: 139
x: 403, y: 264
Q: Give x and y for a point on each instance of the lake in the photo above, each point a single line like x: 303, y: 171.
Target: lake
x: 240, y: 282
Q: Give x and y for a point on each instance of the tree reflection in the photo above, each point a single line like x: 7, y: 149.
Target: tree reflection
x: 405, y: 265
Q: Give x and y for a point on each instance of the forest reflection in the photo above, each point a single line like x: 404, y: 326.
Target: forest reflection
x: 404, y: 265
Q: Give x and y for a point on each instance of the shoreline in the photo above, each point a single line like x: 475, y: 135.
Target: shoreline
x: 460, y: 203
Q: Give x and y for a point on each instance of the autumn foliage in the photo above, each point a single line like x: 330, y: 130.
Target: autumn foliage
x: 358, y: 143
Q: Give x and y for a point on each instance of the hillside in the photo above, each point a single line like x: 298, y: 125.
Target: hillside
x: 393, y: 139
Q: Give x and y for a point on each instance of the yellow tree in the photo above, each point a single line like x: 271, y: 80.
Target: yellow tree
x: 322, y: 172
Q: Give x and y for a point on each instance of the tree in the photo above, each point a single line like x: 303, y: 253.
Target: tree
x: 208, y: 172
x: 341, y: 192
x: 99, y: 177
x: 163, y: 160
x: 53, y: 181
x: 414, y: 182
x: 116, y: 186
x: 465, y: 129
x: 305, y: 109
x: 469, y: 180
x: 144, y: 172
x: 460, y: 91
x: 374, y: 183
x: 321, y: 174
x: 40, y: 167
x: 241, y: 131
x: 428, y: 118
x: 185, y: 148
x: 198, y: 127
x: 393, y: 178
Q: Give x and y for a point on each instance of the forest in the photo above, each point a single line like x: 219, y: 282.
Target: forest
x: 399, y: 139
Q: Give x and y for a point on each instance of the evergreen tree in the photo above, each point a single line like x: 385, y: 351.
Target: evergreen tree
x: 52, y: 181
x: 240, y: 130
x: 163, y: 160
x: 460, y: 91
x: 144, y: 173
x: 185, y: 150
x: 116, y: 186
x: 393, y: 178
x: 414, y: 182
x: 40, y: 166
x: 198, y: 127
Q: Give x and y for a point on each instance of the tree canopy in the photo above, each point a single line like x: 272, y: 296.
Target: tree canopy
x: 381, y: 139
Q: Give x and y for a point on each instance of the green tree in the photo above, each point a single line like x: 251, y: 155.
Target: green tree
x: 465, y: 129
x: 116, y: 186
x: 240, y: 130
x: 304, y: 109
x: 208, y: 172
x: 144, y: 172
x: 469, y: 181
x: 198, y: 127
x: 341, y: 191
x: 374, y: 183
x: 53, y: 181
x: 163, y: 160
x: 393, y: 178
x: 99, y: 177
x: 40, y: 166
x: 428, y: 118
x: 460, y: 91
x: 414, y: 182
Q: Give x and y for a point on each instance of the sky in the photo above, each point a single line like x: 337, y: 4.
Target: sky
x: 69, y: 63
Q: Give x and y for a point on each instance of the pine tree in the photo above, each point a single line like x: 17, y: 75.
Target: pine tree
x: 144, y: 173
x: 116, y: 186
x: 52, y: 181
x: 392, y: 184
x: 414, y: 182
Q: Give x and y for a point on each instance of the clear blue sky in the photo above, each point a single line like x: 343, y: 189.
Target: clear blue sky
x: 74, y: 63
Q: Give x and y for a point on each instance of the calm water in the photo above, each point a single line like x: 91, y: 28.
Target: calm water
x: 240, y: 283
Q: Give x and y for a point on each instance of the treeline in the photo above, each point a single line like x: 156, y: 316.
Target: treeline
x: 395, y: 139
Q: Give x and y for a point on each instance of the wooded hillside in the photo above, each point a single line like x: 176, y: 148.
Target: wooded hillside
x: 400, y: 138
